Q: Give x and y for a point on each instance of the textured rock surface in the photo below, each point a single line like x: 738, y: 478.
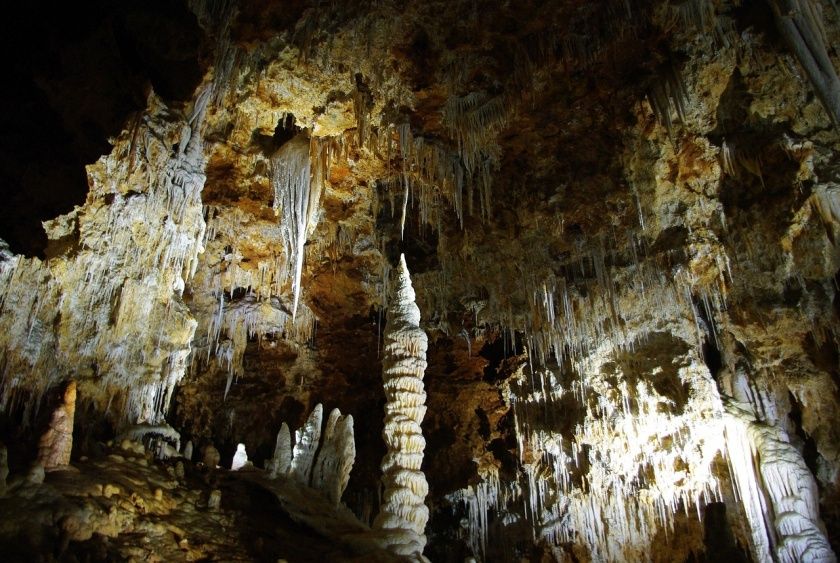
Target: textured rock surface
x: 618, y: 215
x: 56, y: 444
x: 403, y: 513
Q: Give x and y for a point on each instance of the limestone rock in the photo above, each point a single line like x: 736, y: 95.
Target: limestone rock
x: 403, y: 513
x: 307, y: 440
x: 56, y: 443
x: 211, y: 456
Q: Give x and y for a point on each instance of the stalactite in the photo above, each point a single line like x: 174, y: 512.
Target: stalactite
x: 666, y: 95
x: 800, y: 23
x: 403, y: 513
x: 151, y: 435
x: 291, y: 178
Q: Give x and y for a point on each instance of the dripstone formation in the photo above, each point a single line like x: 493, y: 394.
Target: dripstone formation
x: 619, y: 339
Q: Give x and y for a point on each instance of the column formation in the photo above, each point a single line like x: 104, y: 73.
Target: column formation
x: 403, y: 514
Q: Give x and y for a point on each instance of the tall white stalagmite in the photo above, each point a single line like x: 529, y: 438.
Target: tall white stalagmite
x: 403, y: 514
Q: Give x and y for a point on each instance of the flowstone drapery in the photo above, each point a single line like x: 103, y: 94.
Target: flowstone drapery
x: 403, y: 513
x: 782, y: 490
x: 296, y: 197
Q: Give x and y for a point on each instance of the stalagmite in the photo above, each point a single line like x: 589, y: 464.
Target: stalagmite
x: 188, y: 450
x: 215, y: 500
x: 336, y: 457
x: 306, y: 444
x: 403, y: 513
x: 786, y: 482
x: 322, y: 462
x: 57, y: 442
x: 240, y: 458
x: 211, y: 456
x: 282, y: 460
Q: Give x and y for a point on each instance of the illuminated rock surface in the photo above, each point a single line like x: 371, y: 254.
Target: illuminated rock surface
x: 56, y: 444
x: 620, y: 337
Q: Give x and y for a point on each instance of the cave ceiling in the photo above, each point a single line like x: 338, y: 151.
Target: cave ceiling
x: 621, y: 218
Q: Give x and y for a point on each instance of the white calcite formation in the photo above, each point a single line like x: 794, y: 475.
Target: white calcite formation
x: 775, y: 486
x: 240, y: 458
x: 282, y: 460
x: 115, y: 303
x: 336, y: 457
x: 296, y: 198
x: 403, y: 513
x: 321, y: 461
x: 582, y: 439
x: 307, y: 440
x: 152, y: 435
x: 56, y: 443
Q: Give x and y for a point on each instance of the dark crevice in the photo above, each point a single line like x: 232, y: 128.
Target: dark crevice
x: 79, y: 72
x: 809, y: 446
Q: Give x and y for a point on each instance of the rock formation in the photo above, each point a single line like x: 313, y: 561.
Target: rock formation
x: 211, y: 456
x: 331, y: 471
x: 403, y: 513
x: 240, y: 458
x: 783, y: 491
x: 281, y: 462
x: 307, y: 440
x: 618, y: 215
x: 322, y: 461
x: 56, y: 443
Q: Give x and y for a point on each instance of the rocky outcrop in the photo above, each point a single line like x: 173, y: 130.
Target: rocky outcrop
x: 611, y: 209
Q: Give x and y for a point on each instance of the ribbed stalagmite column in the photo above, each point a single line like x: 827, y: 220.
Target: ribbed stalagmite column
x: 403, y: 515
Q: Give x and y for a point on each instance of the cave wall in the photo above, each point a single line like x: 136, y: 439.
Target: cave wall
x: 616, y: 214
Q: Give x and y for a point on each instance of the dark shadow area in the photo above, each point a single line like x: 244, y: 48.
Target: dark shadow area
x: 75, y: 74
